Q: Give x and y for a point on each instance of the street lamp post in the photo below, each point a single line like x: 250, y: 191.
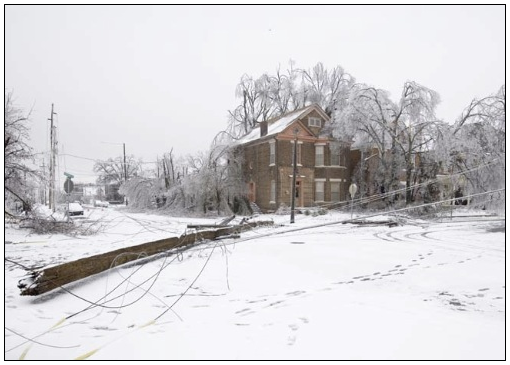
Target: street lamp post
x: 294, y: 173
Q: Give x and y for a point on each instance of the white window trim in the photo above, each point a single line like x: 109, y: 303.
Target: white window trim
x: 323, y: 154
x: 314, y: 122
x: 272, y: 143
x: 332, y: 153
x: 335, y: 167
x: 273, y: 185
x: 335, y: 181
x: 323, y: 181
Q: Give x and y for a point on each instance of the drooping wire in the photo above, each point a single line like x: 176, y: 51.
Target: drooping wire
x: 37, y: 342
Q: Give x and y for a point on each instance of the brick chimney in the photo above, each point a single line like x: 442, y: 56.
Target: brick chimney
x: 263, y: 128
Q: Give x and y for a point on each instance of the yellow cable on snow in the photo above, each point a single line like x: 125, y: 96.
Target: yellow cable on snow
x: 24, y: 353
x: 87, y: 355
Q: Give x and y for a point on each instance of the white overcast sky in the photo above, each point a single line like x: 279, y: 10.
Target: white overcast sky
x: 162, y: 77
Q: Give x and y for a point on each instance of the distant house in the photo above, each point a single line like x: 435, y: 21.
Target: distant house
x: 87, y: 193
x: 323, y: 174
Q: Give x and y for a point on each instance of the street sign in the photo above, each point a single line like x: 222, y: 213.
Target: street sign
x: 353, y: 188
x: 69, y: 176
x: 68, y: 186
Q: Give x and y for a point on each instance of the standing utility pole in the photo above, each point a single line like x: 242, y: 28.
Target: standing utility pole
x: 125, y: 166
x: 294, y: 172
x: 53, y: 149
x: 125, y: 169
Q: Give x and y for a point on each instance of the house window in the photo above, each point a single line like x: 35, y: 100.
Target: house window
x: 343, y: 161
x: 319, y: 191
x: 272, y: 197
x: 298, y: 152
x: 314, y: 122
x: 272, y: 154
x: 319, y: 155
x: 335, y: 191
x: 335, y: 157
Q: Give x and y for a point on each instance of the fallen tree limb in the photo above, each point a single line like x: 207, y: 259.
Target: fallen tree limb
x: 47, y: 279
x: 389, y: 223
x: 223, y: 223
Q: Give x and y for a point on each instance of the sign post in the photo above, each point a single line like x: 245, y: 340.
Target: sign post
x: 353, y: 188
x: 68, y: 188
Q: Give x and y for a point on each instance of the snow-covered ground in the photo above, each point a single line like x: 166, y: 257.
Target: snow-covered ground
x: 421, y: 290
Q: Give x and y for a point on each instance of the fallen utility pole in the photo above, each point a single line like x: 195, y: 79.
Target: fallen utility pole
x: 45, y: 280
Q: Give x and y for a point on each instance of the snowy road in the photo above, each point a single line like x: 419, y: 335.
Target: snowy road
x: 423, y: 290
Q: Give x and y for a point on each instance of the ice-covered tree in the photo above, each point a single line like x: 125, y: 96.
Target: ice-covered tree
x: 397, y: 131
x: 140, y: 192
x: 328, y: 88
x: 272, y: 95
x: 115, y: 171
x: 17, y: 155
x: 213, y: 182
x: 475, y: 146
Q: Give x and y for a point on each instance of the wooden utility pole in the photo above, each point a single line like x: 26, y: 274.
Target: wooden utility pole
x: 294, y: 172
x: 125, y: 169
x: 43, y: 280
x: 125, y: 166
x: 44, y: 186
x: 53, y: 144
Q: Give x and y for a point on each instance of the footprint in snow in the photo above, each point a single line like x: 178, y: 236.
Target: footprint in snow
x: 104, y: 328
x: 295, y: 293
x: 291, y: 340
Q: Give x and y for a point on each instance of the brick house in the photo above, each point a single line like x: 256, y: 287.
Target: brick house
x: 323, y: 162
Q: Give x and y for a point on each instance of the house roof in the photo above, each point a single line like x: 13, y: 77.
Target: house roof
x: 279, y: 124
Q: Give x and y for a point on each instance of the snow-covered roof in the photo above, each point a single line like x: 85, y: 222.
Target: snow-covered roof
x: 276, y: 126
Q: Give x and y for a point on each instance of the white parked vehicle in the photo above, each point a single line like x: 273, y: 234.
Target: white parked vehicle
x: 75, y: 209
x: 102, y: 204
